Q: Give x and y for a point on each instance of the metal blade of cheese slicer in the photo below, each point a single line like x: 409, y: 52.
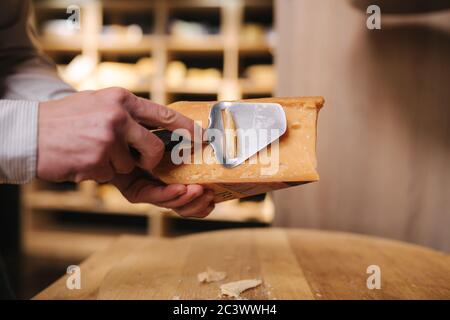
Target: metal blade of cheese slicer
x: 256, y: 125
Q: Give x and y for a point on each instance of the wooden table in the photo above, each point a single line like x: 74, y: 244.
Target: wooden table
x: 292, y: 263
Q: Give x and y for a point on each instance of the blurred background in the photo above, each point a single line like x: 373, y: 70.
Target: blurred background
x: 384, y: 134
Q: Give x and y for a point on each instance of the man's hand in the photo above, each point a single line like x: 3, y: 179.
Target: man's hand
x: 87, y: 136
x: 188, y: 201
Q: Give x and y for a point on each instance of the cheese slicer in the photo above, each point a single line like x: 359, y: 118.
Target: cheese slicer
x: 238, y: 130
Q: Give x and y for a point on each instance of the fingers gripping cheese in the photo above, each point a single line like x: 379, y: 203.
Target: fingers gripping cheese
x: 291, y: 161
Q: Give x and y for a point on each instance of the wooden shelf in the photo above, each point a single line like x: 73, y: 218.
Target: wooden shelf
x: 255, y: 47
x: 41, y: 203
x: 117, y: 46
x: 248, y: 87
x: 162, y: 46
x: 210, y: 43
x: 193, y: 89
x: 259, y: 3
x: 59, y: 43
x: 129, y: 5
x: 75, y: 201
x: 53, y: 200
x: 55, y: 5
x: 194, y: 4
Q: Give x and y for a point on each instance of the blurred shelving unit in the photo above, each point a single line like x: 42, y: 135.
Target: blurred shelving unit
x: 226, y: 37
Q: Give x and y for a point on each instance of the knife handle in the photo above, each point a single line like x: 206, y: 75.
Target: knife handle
x: 166, y: 137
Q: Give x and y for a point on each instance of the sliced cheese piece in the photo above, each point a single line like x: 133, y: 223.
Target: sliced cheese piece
x: 295, y: 164
x: 211, y: 275
x: 234, y: 289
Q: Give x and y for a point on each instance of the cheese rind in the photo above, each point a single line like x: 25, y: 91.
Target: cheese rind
x: 295, y: 164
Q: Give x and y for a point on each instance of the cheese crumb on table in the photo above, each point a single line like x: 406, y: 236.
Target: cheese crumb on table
x: 234, y: 289
x: 211, y: 275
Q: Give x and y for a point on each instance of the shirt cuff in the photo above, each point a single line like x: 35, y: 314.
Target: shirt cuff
x: 18, y: 140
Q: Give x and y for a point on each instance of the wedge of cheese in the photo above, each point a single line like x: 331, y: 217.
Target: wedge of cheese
x: 290, y: 163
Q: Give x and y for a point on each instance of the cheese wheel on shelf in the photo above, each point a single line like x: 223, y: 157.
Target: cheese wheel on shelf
x: 261, y: 74
x: 175, y: 73
x: 145, y: 68
x: 112, y: 74
x: 252, y: 33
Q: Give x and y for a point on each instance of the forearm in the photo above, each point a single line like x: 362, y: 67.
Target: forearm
x: 18, y: 140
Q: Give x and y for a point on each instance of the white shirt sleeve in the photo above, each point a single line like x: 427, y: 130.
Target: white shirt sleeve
x: 18, y: 140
